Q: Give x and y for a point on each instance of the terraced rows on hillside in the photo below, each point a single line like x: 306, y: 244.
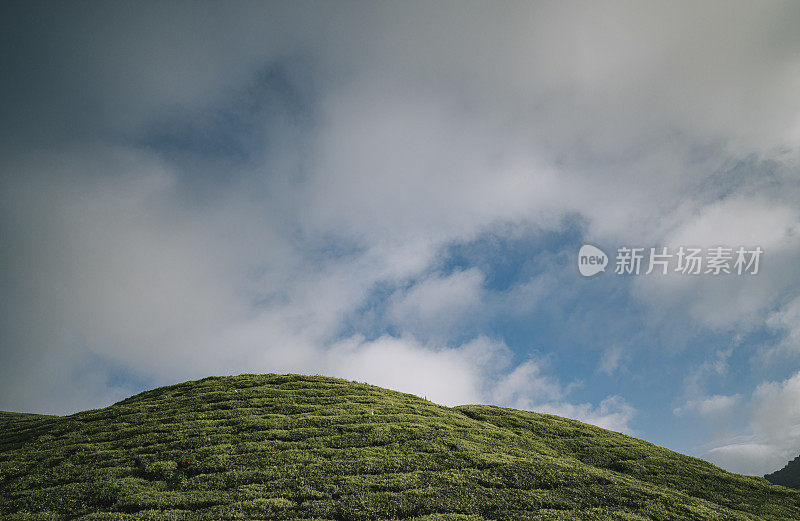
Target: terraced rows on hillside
x: 257, y: 447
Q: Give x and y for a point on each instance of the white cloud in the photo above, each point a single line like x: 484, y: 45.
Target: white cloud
x: 526, y: 387
x: 478, y: 371
x: 777, y: 408
x: 611, y: 360
x: 716, y: 366
x: 711, y: 406
x: 748, y: 458
x: 449, y: 376
x: 438, y: 304
x: 168, y: 293
x: 787, y: 320
x: 773, y: 413
x: 735, y: 301
x: 740, y: 221
x: 613, y: 413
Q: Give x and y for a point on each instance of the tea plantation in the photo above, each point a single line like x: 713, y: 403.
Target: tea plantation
x: 257, y: 447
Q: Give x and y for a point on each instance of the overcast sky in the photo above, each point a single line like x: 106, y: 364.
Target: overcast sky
x: 396, y: 193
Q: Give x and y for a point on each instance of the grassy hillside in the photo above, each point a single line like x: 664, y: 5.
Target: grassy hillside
x: 295, y: 447
x: 788, y: 476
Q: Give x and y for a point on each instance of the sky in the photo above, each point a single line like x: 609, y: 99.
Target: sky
x: 396, y: 193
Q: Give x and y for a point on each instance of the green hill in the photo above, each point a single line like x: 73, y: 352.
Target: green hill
x: 257, y: 447
x: 788, y: 476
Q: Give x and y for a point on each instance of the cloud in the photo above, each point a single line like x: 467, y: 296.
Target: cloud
x: 611, y: 360
x: 773, y: 414
x: 786, y: 319
x: 449, y: 376
x: 728, y: 302
x: 438, y: 303
x: 747, y: 458
x: 478, y: 371
x: 708, y: 407
x: 717, y: 366
x: 166, y: 293
x: 777, y: 411
x: 613, y: 413
x: 526, y: 387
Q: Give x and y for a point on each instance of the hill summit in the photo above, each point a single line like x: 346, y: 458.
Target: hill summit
x: 257, y: 447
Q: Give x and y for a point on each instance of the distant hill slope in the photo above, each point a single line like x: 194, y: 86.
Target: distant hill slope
x: 788, y: 476
x: 257, y: 447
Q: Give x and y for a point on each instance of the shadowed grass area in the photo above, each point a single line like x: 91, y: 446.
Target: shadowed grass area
x: 788, y: 476
x: 257, y: 447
